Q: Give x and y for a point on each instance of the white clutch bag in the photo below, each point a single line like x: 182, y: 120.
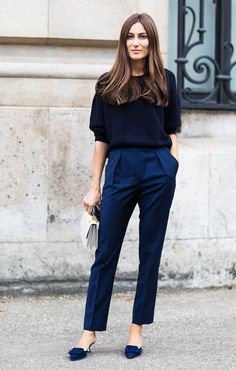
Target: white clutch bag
x: 89, y: 230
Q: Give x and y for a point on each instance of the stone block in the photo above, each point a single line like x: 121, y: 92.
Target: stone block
x: 68, y: 20
x: 70, y: 152
x: 24, y: 174
x: 43, y: 262
x: 198, y: 263
x: 25, y: 18
x: 200, y: 123
x: 189, y: 211
x: 42, y: 92
x: 222, y: 204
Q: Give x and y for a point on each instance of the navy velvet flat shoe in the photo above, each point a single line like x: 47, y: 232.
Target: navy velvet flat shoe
x: 77, y: 353
x: 132, y: 351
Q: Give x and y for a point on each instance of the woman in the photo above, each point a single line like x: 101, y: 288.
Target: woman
x: 135, y: 116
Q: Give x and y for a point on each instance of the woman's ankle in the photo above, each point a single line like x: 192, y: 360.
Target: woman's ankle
x: 89, y: 332
x: 136, y: 326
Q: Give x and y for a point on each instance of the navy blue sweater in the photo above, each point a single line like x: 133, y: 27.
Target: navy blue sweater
x: 138, y: 123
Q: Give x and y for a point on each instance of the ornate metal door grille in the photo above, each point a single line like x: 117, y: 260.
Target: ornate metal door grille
x: 221, y: 96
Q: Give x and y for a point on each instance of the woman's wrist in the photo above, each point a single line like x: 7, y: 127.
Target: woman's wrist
x: 174, y: 151
x: 95, y: 187
x: 174, y: 147
x: 175, y: 154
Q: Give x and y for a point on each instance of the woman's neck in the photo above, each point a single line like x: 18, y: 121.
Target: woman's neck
x: 138, y: 68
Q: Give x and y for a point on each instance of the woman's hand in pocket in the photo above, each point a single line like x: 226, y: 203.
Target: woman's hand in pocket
x: 175, y: 155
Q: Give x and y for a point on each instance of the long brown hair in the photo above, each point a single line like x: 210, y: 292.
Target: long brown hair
x: 117, y: 87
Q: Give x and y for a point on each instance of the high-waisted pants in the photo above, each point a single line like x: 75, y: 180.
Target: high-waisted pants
x: 146, y: 176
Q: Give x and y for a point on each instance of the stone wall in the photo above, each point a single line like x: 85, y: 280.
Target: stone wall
x: 51, y: 53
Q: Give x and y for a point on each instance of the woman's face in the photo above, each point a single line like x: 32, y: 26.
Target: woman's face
x: 137, y: 42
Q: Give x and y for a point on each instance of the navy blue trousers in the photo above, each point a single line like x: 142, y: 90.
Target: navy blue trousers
x: 146, y: 176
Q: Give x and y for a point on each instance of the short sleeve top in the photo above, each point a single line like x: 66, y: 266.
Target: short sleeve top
x: 137, y: 123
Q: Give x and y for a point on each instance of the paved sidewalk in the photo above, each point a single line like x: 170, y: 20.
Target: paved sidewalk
x: 193, y: 329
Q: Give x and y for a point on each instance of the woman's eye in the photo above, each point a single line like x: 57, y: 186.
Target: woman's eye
x: 142, y: 36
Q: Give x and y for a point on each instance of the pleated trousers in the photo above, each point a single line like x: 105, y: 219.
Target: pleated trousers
x: 133, y: 175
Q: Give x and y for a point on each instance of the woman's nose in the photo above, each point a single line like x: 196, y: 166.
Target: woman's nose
x: 136, y: 42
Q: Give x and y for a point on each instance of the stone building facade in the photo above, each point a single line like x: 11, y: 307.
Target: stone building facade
x: 51, y: 53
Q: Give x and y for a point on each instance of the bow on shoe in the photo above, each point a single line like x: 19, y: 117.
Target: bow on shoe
x: 77, y: 353
x: 132, y: 351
